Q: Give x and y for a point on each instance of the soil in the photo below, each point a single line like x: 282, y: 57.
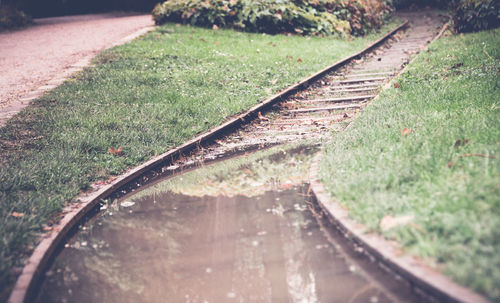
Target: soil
x: 31, y: 57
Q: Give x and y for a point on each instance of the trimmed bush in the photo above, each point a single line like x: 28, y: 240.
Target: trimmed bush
x: 11, y: 18
x: 475, y: 15
x: 306, y: 17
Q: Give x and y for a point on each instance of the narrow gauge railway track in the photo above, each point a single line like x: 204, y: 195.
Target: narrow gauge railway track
x: 329, y: 103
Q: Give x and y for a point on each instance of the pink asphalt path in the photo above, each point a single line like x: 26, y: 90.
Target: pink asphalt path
x: 31, y: 57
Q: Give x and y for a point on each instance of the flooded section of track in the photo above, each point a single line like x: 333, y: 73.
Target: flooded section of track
x: 241, y: 230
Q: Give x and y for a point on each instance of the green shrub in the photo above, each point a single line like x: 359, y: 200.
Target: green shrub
x: 13, y: 18
x: 475, y: 15
x: 276, y: 16
x: 420, y: 3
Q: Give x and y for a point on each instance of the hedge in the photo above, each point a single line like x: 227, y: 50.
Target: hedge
x: 403, y: 4
x: 305, y: 17
x: 476, y: 15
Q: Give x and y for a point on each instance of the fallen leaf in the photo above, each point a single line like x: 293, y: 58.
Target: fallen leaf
x: 116, y: 151
x: 406, y: 131
x: 215, y: 27
x: 417, y: 227
x: 299, y: 60
x: 217, y: 42
x: 461, y: 142
x: 203, y: 40
x: 262, y: 117
x: 396, y: 85
x: 450, y: 164
x: 274, y: 81
x: 15, y: 214
x: 389, y: 222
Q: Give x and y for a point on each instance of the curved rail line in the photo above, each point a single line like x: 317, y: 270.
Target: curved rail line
x: 347, y: 96
x: 24, y: 287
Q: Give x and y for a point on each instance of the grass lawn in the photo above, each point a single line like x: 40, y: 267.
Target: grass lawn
x: 145, y: 97
x: 443, y: 170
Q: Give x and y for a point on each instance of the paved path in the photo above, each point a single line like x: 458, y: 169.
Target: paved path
x: 42, y: 55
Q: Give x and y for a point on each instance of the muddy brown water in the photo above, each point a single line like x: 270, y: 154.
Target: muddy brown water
x: 241, y: 230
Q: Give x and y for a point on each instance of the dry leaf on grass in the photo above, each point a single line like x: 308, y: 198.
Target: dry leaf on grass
x: 463, y: 142
x: 116, y: 151
x: 389, y: 222
x: 15, y: 214
x: 406, y: 131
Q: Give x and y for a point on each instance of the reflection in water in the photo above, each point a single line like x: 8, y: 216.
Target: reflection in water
x: 165, y: 246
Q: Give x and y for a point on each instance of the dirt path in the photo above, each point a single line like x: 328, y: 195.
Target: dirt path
x: 40, y: 55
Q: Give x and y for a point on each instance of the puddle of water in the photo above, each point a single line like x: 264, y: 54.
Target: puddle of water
x: 237, y: 231
x: 250, y: 175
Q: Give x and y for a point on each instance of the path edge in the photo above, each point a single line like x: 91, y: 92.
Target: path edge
x: 25, y: 100
x: 23, y: 290
x: 388, y: 252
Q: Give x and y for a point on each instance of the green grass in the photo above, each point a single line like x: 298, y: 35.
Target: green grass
x: 445, y: 172
x: 146, y: 97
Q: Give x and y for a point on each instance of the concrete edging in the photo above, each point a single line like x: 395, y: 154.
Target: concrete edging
x: 32, y: 271
x: 388, y: 252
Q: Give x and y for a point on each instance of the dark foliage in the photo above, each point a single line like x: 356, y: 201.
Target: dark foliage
x: 276, y: 16
x: 11, y: 18
x: 420, y: 3
x: 475, y: 15
x: 468, y: 15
